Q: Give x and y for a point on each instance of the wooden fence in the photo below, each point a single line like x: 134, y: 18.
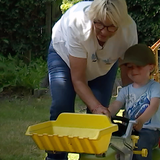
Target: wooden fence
x: 53, y: 13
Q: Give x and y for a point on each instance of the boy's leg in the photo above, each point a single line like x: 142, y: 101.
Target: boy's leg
x: 102, y: 86
x: 147, y: 140
x: 62, y: 93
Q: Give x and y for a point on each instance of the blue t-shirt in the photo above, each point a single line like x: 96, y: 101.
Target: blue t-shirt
x: 136, y: 100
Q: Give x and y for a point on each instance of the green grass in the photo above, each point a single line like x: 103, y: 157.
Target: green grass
x: 15, y: 117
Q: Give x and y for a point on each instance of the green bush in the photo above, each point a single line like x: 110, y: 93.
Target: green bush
x: 15, y: 73
x: 146, y: 14
x: 66, y: 4
x: 23, y: 26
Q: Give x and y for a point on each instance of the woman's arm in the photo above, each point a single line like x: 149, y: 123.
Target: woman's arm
x: 147, y: 114
x: 78, y: 74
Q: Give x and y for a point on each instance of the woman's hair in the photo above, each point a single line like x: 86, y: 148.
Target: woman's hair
x: 115, y: 10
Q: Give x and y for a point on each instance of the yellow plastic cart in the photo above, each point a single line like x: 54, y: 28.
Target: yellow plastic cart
x: 72, y: 132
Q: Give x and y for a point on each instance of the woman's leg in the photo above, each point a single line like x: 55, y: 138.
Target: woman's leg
x: 102, y: 86
x: 62, y: 92
x: 147, y: 140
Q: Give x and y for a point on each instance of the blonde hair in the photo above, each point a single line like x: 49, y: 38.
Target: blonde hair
x: 115, y: 10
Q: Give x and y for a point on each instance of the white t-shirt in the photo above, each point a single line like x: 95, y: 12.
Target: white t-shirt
x: 136, y: 101
x: 73, y: 34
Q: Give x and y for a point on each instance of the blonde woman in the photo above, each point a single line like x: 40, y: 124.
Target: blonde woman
x: 86, y: 44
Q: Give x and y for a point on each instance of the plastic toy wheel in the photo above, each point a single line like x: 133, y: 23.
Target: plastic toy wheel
x: 144, y: 153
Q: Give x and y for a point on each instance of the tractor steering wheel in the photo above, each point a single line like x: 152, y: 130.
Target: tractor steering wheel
x: 122, y: 123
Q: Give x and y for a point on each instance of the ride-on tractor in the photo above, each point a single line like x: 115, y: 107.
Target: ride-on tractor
x: 87, y: 134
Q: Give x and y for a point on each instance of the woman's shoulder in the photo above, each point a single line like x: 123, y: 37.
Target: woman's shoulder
x: 129, y: 28
x: 77, y: 20
x: 76, y: 15
x: 128, y: 34
x: 130, y: 23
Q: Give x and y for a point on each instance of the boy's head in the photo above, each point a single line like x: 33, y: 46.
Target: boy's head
x: 140, y: 55
x: 140, y: 62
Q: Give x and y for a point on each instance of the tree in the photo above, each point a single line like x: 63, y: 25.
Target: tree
x: 146, y: 14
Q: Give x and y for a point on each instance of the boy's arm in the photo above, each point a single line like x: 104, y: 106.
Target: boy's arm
x: 148, y: 113
x: 115, y: 107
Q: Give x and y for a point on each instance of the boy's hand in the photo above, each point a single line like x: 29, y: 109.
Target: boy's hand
x: 138, y: 126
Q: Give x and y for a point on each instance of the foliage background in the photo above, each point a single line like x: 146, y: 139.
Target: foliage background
x: 23, y: 24
x: 16, y: 75
x: 23, y: 31
x: 22, y: 27
x: 146, y: 14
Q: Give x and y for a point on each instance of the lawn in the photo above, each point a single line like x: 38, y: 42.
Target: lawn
x: 16, y: 114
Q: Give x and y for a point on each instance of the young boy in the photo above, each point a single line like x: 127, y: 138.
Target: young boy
x: 141, y: 98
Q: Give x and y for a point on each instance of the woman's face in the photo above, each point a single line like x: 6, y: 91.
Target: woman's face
x: 104, y: 30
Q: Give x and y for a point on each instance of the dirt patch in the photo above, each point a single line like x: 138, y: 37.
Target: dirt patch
x: 9, y: 93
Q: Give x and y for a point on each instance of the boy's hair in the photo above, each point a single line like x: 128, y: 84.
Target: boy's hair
x: 140, y: 55
x: 115, y: 10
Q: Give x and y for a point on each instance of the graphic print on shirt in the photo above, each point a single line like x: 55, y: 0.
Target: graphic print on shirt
x: 108, y: 61
x: 95, y: 58
x: 138, y: 107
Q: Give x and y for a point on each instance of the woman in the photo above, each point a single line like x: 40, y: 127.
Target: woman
x: 83, y: 56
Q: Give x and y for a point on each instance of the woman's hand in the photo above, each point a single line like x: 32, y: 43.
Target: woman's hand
x: 101, y: 110
x: 78, y: 74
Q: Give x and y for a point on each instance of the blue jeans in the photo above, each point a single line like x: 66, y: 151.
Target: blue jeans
x: 147, y: 139
x: 62, y: 91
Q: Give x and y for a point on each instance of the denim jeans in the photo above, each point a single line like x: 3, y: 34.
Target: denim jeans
x: 147, y: 140
x: 62, y: 91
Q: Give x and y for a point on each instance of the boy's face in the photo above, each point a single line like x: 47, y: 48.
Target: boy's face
x: 139, y: 74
